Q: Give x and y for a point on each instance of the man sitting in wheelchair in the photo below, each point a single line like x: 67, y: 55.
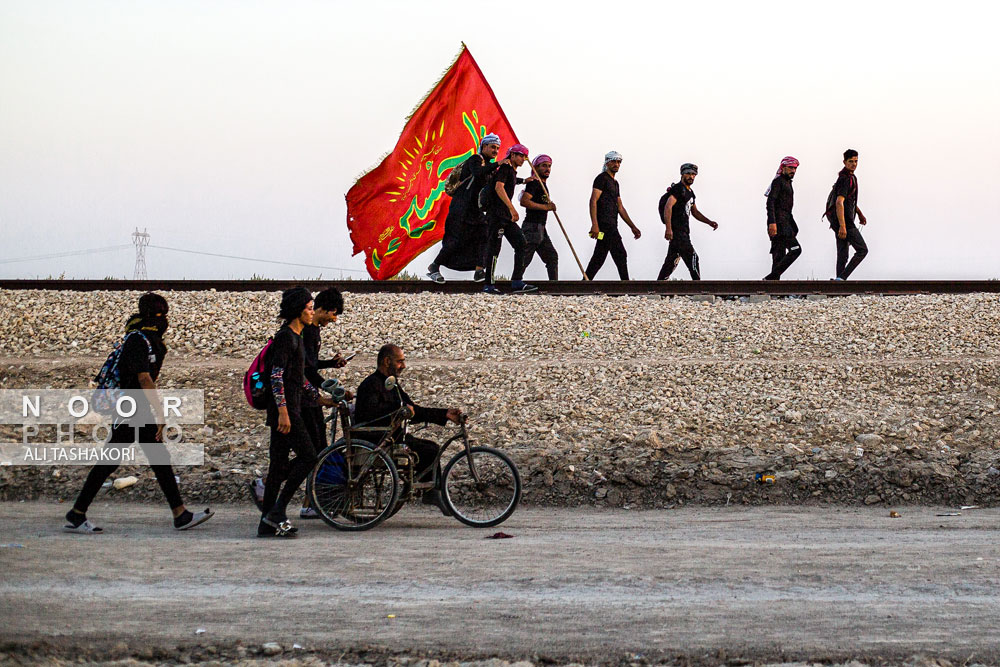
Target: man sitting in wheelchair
x: 375, y: 404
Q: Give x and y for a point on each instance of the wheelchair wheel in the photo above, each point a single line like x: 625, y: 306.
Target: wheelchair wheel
x: 492, y: 499
x: 354, y: 488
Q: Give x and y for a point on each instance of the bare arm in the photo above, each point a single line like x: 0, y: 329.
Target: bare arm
x: 529, y: 203
x: 698, y: 216
x: 595, y: 194
x: 842, y: 232
x: 628, y: 221
x: 502, y: 194
x: 668, y: 214
x: 861, y: 216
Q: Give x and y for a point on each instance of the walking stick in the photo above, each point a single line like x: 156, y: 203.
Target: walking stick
x: 571, y: 248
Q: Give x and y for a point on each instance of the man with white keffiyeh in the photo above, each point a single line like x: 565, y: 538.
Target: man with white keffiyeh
x: 605, y: 207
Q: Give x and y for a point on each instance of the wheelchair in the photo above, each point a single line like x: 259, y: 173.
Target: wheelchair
x: 368, y: 474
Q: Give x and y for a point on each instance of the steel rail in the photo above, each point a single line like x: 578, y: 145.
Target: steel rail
x: 718, y: 288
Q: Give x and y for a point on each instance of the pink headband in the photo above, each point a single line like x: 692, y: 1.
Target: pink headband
x: 787, y: 161
x: 540, y: 159
x: 517, y: 148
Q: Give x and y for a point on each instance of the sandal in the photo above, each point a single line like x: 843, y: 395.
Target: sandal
x: 85, y: 528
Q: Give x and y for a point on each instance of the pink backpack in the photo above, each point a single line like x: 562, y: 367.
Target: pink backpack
x: 255, y: 382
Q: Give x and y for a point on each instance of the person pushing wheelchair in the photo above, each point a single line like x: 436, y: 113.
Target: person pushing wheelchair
x: 375, y: 404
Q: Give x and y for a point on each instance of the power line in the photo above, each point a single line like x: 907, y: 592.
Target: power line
x: 70, y: 253
x: 253, y: 259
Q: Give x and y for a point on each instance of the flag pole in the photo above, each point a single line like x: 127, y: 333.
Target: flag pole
x: 571, y: 248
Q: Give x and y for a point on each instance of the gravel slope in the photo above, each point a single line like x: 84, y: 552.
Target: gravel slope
x: 621, y: 401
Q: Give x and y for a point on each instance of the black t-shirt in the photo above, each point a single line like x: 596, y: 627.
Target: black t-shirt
x: 137, y: 357
x: 507, y: 175
x: 846, y: 187
x: 310, y: 348
x: 537, y: 192
x: 607, y: 203
x: 680, y: 218
x: 288, y: 351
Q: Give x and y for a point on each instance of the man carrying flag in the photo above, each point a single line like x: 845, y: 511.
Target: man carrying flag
x: 535, y: 200
x: 398, y: 209
x: 465, y: 227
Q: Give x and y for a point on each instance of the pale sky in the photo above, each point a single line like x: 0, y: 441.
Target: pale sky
x: 237, y: 127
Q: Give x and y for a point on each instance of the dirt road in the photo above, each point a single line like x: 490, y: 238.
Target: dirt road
x: 705, y: 584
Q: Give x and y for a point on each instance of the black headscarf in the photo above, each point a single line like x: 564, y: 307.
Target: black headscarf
x: 151, y: 320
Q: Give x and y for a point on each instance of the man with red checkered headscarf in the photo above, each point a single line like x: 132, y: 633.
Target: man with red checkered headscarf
x: 502, y: 218
x: 781, y: 227
x: 536, y: 202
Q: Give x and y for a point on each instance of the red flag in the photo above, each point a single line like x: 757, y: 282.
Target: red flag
x: 397, y: 210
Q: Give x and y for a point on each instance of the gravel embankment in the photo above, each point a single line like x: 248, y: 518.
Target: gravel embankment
x: 621, y: 401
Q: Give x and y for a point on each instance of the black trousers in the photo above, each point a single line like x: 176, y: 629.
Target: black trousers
x: 316, y: 426
x: 853, y: 240
x: 278, y: 495
x: 678, y: 249
x: 499, y: 229
x: 99, y: 474
x: 462, y: 246
x: 537, y: 240
x: 784, y: 251
x: 611, y: 243
x: 426, y: 451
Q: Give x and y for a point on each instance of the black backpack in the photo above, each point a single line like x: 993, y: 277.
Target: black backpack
x: 831, y: 208
x: 663, y: 202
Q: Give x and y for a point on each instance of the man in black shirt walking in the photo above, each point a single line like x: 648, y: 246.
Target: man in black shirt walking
x: 142, y: 354
x: 465, y: 226
x: 502, y: 220
x: 841, y: 208
x: 781, y: 227
x: 537, y: 205
x: 676, y: 208
x: 327, y: 306
x: 605, y: 207
x: 375, y: 405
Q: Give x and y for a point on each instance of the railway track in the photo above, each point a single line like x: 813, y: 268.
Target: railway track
x: 718, y: 288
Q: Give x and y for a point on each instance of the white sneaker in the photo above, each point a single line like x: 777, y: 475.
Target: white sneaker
x: 308, y: 513
x: 436, y: 277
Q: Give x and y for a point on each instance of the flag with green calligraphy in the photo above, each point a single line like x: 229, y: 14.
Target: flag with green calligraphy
x: 397, y: 210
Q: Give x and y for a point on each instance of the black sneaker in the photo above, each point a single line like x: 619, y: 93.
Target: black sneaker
x: 479, y: 276
x: 267, y: 530
x: 190, y: 520
x: 282, y: 526
x: 521, y: 287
